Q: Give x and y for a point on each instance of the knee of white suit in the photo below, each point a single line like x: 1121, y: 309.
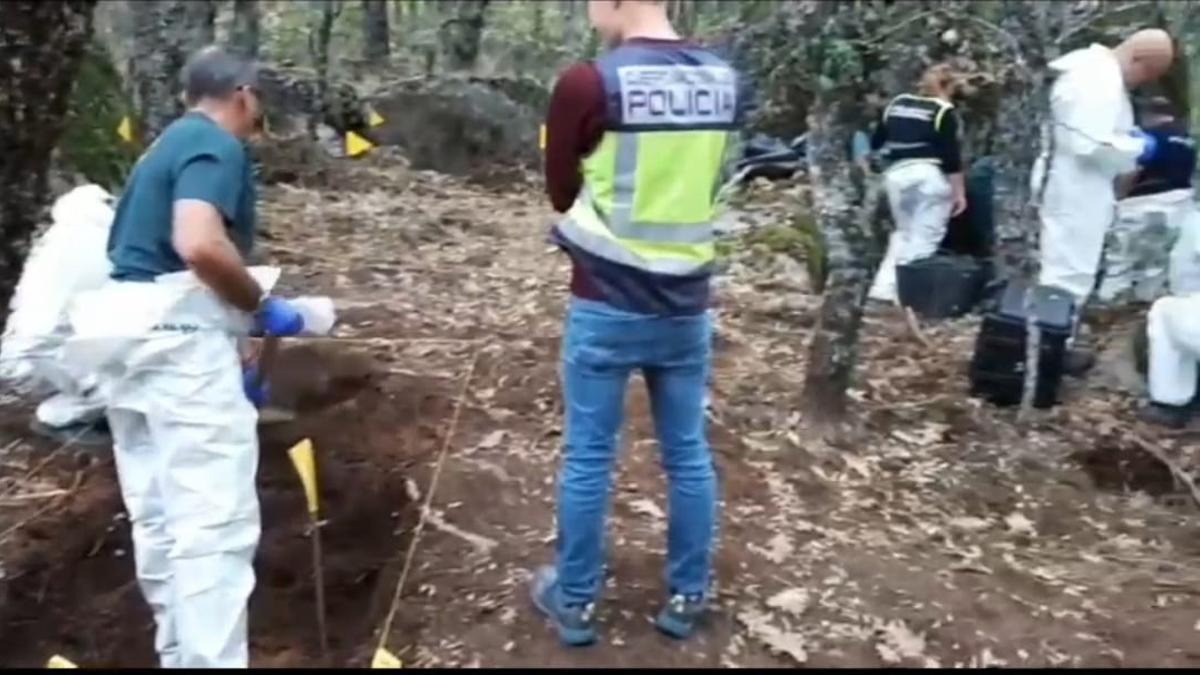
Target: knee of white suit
x: 63, y: 409
x: 1173, y: 332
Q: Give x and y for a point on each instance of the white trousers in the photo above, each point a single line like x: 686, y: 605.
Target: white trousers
x: 1077, y: 210
x: 1173, y: 329
x: 1138, y: 246
x: 186, y: 451
x: 1184, y: 266
x: 64, y: 409
x: 921, y: 200
x: 37, y: 360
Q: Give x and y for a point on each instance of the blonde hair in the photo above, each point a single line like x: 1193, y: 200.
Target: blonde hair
x: 938, y: 80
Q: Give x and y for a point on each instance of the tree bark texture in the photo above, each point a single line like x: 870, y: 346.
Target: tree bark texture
x: 376, y: 32
x: 166, y: 33
x: 461, y: 36
x: 1018, y: 135
x: 41, y: 45
x: 319, y: 50
x: 245, y: 35
x: 844, y: 217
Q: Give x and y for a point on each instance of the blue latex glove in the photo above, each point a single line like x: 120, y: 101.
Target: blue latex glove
x: 258, y: 395
x: 278, y: 317
x: 1150, y: 147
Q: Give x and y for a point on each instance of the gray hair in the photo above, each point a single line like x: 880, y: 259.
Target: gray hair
x: 216, y: 73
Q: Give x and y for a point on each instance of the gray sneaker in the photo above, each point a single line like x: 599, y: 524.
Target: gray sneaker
x: 681, y: 616
x: 84, y: 434
x: 573, y: 621
x: 1163, y: 415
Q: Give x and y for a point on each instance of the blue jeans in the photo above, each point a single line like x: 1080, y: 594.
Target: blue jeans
x: 601, y: 347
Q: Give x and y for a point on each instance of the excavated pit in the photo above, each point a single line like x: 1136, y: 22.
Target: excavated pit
x: 1122, y: 467
x: 70, y: 578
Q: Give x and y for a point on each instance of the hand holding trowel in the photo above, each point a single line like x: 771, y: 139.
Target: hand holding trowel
x: 318, y: 317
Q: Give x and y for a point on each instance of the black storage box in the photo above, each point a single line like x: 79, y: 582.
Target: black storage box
x: 941, y: 286
x: 998, y: 367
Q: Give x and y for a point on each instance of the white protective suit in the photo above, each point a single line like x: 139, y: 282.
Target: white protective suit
x: 1173, y: 327
x: 186, y: 448
x: 921, y: 199
x: 1139, y: 246
x: 1092, y: 120
x: 1173, y: 330
x: 70, y: 258
x: 1183, y: 270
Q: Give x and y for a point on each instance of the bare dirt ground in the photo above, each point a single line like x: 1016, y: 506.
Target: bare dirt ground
x: 944, y: 534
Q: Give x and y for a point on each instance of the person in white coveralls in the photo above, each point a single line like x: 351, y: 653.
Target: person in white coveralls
x: 1093, y: 141
x: 163, y: 336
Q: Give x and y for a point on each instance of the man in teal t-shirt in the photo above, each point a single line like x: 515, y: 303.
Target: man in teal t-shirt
x: 182, y: 419
x: 198, y: 160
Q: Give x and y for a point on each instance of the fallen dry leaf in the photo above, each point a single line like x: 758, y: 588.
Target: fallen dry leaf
x: 1019, y: 524
x: 794, y: 601
x: 647, y: 507
x: 970, y: 524
x: 758, y: 625
x: 898, y: 642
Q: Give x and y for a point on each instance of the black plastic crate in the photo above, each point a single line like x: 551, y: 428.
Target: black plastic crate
x: 998, y: 367
x: 941, y: 286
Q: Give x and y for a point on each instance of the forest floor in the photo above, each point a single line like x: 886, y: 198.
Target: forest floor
x: 943, y: 534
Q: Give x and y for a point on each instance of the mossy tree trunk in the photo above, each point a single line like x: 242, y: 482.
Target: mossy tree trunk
x: 376, y: 32
x: 166, y: 32
x: 41, y: 45
x: 245, y: 34
x: 846, y: 206
x: 461, y: 36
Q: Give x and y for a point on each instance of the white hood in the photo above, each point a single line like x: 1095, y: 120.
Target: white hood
x: 69, y: 258
x: 1094, y: 58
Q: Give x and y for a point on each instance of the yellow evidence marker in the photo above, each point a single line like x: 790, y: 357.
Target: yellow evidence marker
x: 57, y: 661
x: 373, y: 118
x: 385, y: 659
x: 125, y: 129
x: 302, y: 458
x: 356, y: 145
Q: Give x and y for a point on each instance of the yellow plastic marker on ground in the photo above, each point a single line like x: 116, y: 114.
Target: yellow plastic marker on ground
x: 125, y: 129
x: 57, y: 661
x: 542, y: 138
x: 302, y: 459
x: 356, y: 145
x: 385, y: 659
x: 373, y: 118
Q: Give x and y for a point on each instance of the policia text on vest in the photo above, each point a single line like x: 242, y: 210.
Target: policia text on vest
x: 677, y: 95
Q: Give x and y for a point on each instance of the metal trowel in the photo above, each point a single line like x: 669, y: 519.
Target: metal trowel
x: 270, y: 414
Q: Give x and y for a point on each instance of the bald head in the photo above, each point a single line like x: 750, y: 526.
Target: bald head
x: 1145, y: 56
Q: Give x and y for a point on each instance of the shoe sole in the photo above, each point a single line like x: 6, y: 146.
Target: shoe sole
x: 91, y: 438
x: 571, y: 637
x: 673, y: 628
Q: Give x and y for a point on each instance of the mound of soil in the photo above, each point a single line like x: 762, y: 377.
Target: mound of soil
x: 71, y: 586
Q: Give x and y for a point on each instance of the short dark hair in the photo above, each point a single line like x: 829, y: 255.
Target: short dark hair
x: 213, y: 72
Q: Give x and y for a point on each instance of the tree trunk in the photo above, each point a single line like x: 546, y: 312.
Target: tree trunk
x: 376, y: 33
x: 462, y: 35
x: 201, y: 22
x: 845, y: 210
x: 244, y: 36
x: 41, y: 45
x: 166, y: 33
x: 318, y: 45
x: 539, y: 20
x: 844, y: 216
